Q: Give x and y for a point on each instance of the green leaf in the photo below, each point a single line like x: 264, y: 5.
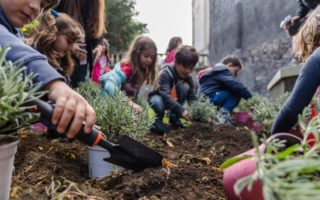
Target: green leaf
x: 233, y: 161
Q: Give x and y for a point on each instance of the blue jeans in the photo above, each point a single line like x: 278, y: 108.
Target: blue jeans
x: 157, y: 103
x: 225, y: 100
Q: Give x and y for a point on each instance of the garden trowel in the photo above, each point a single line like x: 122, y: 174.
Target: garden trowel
x: 128, y: 153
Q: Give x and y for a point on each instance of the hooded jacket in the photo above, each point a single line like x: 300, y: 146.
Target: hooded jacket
x: 220, y: 78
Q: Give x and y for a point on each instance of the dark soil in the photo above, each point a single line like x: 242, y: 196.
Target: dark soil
x: 45, y: 168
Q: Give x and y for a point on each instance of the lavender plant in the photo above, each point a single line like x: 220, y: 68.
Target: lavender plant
x: 15, y: 88
x: 114, y: 115
x: 288, y: 172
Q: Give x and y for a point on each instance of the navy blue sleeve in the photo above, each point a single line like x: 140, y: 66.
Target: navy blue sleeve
x: 235, y: 86
x: 23, y: 54
x: 303, y: 91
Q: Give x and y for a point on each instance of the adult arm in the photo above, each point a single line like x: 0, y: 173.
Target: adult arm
x: 303, y: 91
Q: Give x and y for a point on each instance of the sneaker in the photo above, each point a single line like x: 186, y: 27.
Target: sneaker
x: 224, y: 117
x: 176, y: 122
x: 159, y: 127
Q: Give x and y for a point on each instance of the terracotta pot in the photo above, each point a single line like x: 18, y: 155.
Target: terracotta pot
x: 247, y: 167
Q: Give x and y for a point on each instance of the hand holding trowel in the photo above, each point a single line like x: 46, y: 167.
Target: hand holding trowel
x: 128, y: 153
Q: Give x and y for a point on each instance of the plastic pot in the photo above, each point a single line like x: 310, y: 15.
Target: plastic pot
x: 242, y: 117
x: 248, y: 166
x: 98, y: 168
x: 8, y: 149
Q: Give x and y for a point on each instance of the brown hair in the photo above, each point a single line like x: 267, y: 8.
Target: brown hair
x: 186, y: 55
x: 45, y: 34
x: 307, y: 39
x: 231, y: 59
x: 90, y: 14
x: 138, y: 45
x: 174, y: 43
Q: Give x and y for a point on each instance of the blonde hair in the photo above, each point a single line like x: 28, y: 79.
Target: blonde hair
x: 307, y: 39
x: 45, y: 34
x: 138, y: 45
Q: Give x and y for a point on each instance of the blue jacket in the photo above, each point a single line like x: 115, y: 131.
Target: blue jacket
x: 112, y: 81
x: 23, y: 54
x: 220, y: 78
x: 301, y: 95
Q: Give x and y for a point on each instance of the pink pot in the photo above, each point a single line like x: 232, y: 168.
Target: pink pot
x: 248, y: 166
x: 242, y: 117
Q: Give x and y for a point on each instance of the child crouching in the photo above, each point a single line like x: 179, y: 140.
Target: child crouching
x: 175, y: 86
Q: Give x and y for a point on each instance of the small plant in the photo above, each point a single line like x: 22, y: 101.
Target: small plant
x: 202, y: 110
x: 265, y: 110
x: 114, y: 115
x: 14, y: 92
x: 287, y: 172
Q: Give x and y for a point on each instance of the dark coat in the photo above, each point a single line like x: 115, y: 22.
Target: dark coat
x: 220, y: 78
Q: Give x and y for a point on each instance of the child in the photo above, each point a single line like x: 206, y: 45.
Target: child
x: 137, y: 68
x: 219, y: 85
x: 175, y: 74
x: 91, y: 15
x: 307, y: 42
x: 54, y: 37
x: 174, y: 43
x: 71, y: 109
x: 102, y: 64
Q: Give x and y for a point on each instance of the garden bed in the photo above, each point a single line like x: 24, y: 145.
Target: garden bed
x: 48, y: 168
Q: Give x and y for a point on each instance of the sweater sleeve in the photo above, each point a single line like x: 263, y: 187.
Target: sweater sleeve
x: 192, y: 91
x: 164, y: 90
x: 303, y: 10
x: 23, y: 54
x: 303, y: 91
x: 112, y: 80
x: 235, y: 86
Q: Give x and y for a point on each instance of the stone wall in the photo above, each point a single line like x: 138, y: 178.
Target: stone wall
x: 250, y: 29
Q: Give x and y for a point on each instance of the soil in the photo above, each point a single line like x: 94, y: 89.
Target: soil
x: 47, y: 169
x: 7, y: 139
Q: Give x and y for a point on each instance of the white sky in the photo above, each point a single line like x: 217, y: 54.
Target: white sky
x: 165, y: 19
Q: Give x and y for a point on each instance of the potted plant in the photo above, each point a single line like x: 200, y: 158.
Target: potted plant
x: 114, y: 118
x: 14, y: 91
x: 278, y: 170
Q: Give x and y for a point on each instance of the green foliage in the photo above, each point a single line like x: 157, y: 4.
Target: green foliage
x: 265, y: 110
x: 121, y: 26
x: 248, y: 105
x: 114, y: 115
x: 14, y: 91
x: 288, y: 172
x: 202, y: 110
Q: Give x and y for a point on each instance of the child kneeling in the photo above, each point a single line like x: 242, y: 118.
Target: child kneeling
x: 175, y: 86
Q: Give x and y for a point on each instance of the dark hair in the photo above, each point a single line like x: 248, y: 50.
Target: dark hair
x: 186, y: 55
x: 231, y: 59
x: 138, y: 45
x: 174, y: 43
x: 90, y: 14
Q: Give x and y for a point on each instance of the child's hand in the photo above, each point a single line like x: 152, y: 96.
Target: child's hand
x: 70, y: 107
x: 78, y: 49
x: 97, y: 52
x: 186, y: 115
x: 137, y: 108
